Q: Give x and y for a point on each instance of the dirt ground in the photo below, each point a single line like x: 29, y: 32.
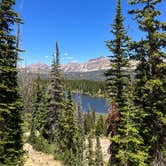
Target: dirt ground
x: 105, y: 143
x: 34, y: 158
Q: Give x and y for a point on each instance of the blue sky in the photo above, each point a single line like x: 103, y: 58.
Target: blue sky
x: 79, y: 26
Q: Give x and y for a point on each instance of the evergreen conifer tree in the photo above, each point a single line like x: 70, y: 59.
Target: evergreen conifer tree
x: 90, y: 157
x: 116, y: 75
x: 122, y: 150
x: 80, y: 117
x: 93, y: 118
x: 87, y: 123
x: 98, y: 153
x: 131, y: 150
x: 150, y: 89
x: 10, y: 102
x: 71, y: 142
x: 117, y: 78
x: 55, y: 100
x: 38, y: 113
x: 100, y: 126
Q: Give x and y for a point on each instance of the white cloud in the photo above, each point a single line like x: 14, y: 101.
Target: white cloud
x: 69, y: 58
x: 46, y: 56
x: 66, y: 54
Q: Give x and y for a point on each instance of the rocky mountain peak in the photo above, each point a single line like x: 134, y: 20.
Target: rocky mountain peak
x: 96, y: 64
x: 101, y: 63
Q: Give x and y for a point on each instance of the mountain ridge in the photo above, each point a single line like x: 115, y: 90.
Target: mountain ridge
x: 92, y: 65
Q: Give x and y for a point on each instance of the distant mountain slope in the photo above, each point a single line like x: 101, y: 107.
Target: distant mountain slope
x: 37, y: 68
x: 90, y: 75
x: 92, y: 70
x: 101, y: 63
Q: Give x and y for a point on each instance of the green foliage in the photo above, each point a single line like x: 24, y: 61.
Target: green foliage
x: 93, y: 118
x: 88, y: 87
x: 129, y: 143
x: 88, y: 122
x: 70, y: 140
x: 94, y: 123
x: 90, y: 156
x: 100, y: 128
x: 98, y: 153
x: 38, y: 118
x: 10, y: 103
x: 41, y: 144
x: 117, y: 78
x: 70, y: 159
x: 150, y: 84
x: 27, y: 90
x: 55, y: 100
x: 80, y: 117
x: 126, y: 145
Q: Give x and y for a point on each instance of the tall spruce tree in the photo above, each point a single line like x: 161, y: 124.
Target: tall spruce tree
x: 116, y: 75
x: 71, y: 142
x: 55, y: 100
x: 10, y: 102
x: 150, y: 89
x: 117, y: 78
x: 122, y: 150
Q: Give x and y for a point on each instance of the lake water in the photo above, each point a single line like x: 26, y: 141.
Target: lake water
x: 98, y: 104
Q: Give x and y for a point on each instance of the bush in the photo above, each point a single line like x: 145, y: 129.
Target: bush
x: 41, y: 144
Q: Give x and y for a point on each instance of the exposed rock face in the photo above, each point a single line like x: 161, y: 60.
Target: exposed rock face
x: 37, y: 68
x: 98, y: 64
x: 101, y: 63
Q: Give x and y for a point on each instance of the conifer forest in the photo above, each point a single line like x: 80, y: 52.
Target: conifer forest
x: 39, y: 112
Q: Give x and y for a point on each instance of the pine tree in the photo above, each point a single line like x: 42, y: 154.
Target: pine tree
x: 100, y: 126
x: 80, y: 117
x: 93, y: 118
x: 71, y: 142
x: 116, y: 75
x: 90, y: 156
x: 98, y: 153
x: 10, y: 102
x: 126, y: 144
x: 55, y: 100
x: 131, y: 150
x: 117, y: 78
x: 87, y: 123
x: 150, y: 89
x: 38, y: 113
